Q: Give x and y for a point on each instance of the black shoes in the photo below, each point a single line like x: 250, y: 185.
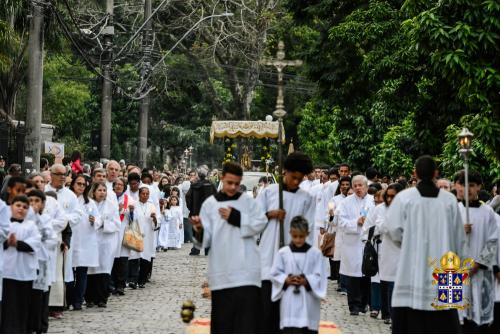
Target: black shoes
x: 132, y: 285
x: 102, y: 305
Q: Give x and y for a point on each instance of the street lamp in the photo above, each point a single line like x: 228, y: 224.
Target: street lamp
x: 465, y: 140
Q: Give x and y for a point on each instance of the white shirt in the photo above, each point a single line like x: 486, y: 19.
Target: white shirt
x: 301, y: 309
x: 142, y: 213
x: 349, y: 212
x: 84, y: 237
x: 22, y: 266
x: 234, y: 259
x: 426, y: 228
x: 107, y: 236
x: 299, y: 203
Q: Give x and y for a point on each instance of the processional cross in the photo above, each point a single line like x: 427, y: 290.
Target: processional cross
x: 280, y: 63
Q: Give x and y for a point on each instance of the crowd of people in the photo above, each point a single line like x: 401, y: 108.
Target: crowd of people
x: 63, y: 229
x: 268, y: 265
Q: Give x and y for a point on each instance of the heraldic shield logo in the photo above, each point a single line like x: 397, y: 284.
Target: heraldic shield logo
x: 450, y: 279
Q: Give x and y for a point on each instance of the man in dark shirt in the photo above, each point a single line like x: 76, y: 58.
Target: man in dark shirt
x: 197, y: 194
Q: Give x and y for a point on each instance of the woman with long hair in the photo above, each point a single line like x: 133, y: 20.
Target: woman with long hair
x: 388, y: 253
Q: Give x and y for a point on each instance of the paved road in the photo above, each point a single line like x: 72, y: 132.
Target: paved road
x: 177, y: 277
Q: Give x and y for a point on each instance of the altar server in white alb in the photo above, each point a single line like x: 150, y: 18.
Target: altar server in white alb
x: 4, y: 232
x: 39, y: 313
x: 425, y: 222
x: 495, y: 327
x: 68, y: 203
x: 20, y: 267
x: 99, y: 277
x: 296, y: 202
x: 299, y: 282
x: 481, y: 245
x: 145, y: 214
x: 84, y: 239
x: 229, y: 223
x: 352, y: 213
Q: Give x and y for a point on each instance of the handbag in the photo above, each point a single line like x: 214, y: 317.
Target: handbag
x: 328, y: 246
x: 132, y: 238
x: 369, y: 267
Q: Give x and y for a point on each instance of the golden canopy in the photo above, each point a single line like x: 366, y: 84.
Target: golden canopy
x: 246, y: 129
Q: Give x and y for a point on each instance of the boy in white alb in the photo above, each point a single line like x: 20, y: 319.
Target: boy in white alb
x: 229, y: 223
x: 296, y: 202
x: 299, y: 282
x: 19, y: 268
x: 481, y: 246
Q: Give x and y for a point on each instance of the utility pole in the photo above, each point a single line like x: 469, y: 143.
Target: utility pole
x: 32, y: 144
x: 107, y: 85
x: 142, y: 149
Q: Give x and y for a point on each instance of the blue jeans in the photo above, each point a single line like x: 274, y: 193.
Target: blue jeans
x: 375, y: 297
x: 80, y: 285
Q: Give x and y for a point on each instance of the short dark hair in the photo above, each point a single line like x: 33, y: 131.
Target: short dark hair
x: 133, y: 177
x: 37, y: 193
x: 299, y: 223
x: 458, y: 175
x: 425, y: 167
x: 145, y: 176
x: 344, y: 165
x: 231, y: 167
x: 371, y: 173
x: 474, y: 177
x: 21, y: 198
x: 16, y: 179
x: 333, y: 171
x: 345, y: 179
x: 298, y: 162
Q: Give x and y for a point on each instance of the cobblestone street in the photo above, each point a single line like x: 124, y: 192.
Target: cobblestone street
x: 177, y: 277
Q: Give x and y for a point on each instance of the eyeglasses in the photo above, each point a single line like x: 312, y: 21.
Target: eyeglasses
x: 80, y: 184
x: 59, y: 174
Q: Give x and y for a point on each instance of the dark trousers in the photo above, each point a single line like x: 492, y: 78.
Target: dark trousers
x: 133, y: 270
x: 16, y: 297
x: 188, y: 232
x: 150, y: 270
x: 119, y: 272
x: 375, y: 297
x: 495, y: 327
x: 144, y: 269
x: 270, y: 311
x: 292, y: 330
x: 470, y: 327
x: 385, y: 298
x: 236, y: 310
x: 358, y: 293
x: 343, y: 282
x: 97, y: 288
x: 334, y: 269
x: 409, y: 321
x: 39, y: 311
x: 80, y: 285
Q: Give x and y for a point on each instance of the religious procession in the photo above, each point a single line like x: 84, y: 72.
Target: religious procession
x: 249, y: 167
